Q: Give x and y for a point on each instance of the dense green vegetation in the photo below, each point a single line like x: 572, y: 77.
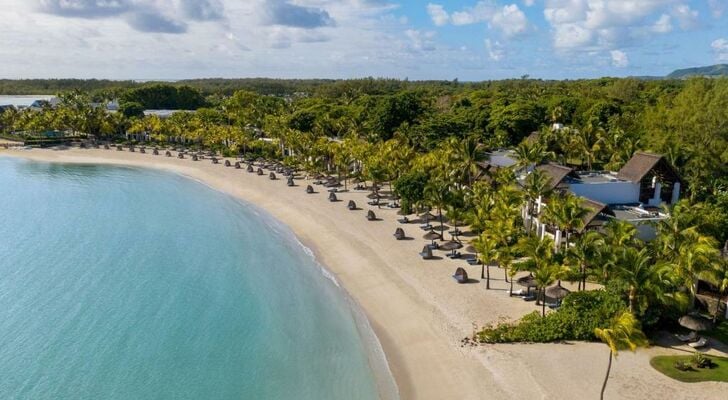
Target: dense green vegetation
x: 427, y: 140
x: 689, y: 368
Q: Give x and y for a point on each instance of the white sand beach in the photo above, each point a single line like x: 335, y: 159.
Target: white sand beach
x: 419, y: 313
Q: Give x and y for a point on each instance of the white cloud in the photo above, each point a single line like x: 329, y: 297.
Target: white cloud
x: 421, y: 40
x: 510, y: 20
x: 720, y: 49
x: 619, y: 58
x: 495, y: 50
x: 529, y: 3
x: 717, y: 7
x: 438, y: 14
x: 609, y: 24
x: 687, y: 17
x: 663, y: 25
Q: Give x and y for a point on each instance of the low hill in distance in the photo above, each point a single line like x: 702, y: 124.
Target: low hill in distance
x: 710, y: 70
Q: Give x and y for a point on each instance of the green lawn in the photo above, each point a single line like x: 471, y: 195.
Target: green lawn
x: 720, y: 332
x: 666, y: 365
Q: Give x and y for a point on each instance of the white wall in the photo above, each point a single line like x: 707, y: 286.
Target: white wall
x: 608, y: 192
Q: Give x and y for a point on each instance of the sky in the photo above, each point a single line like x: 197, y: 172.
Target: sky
x: 469, y: 40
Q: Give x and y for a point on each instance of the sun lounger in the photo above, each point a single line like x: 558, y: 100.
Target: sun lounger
x: 426, y: 227
x: 518, y: 292
x: 473, y: 261
x: 700, y: 343
x: 690, y: 337
x: 529, y: 297
x: 454, y: 255
x: 404, y: 220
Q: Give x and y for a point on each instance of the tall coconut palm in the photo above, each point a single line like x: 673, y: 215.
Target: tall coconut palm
x: 696, y: 259
x: 437, y: 194
x: 638, y: 269
x: 623, y: 333
x: 468, y: 153
x: 487, y: 249
x: 583, y: 254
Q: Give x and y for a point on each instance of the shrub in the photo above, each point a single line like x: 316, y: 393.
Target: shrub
x: 682, y: 366
x: 700, y: 361
x: 576, y: 319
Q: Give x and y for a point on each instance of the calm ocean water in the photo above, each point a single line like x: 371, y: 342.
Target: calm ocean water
x: 123, y: 283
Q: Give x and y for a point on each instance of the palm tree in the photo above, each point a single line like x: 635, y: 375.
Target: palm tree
x: 437, y: 193
x: 638, y: 269
x: 623, y: 333
x: 487, y: 249
x: 695, y: 259
x: 468, y: 153
x: 583, y: 253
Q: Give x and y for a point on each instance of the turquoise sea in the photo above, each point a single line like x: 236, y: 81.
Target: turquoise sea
x: 125, y: 283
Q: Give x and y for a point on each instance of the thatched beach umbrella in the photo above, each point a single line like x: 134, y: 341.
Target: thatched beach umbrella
x: 527, y: 281
x: 195, y: 157
x: 371, y: 216
x: 374, y: 196
x: 399, y: 234
x: 557, y: 291
x: 249, y: 168
x: 237, y: 164
x: 695, y: 323
x: 351, y: 206
x: 332, y: 197
x: 119, y: 148
x: 461, y: 275
x: 290, y: 182
x: 131, y: 149
x: 181, y: 155
x: 427, y: 216
x: 214, y: 160
x: 272, y: 176
x: 309, y: 189
x: 432, y: 235
x: 260, y: 171
x: 143, y: 150
x: 168, y: 153
x: 451, y: 245
x: 106, y: 147
x: 227, y: 163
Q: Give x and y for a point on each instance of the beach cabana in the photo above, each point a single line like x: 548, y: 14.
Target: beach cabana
x: 143, y: 150
x: 227, y: 163
x: 290, y: 182
x: 131, y: 149
x: 168, y: 153
x: 181, y: 155
x: 461, y: 275
x: 695, y: 323
x: 399, y: 234
x: 351, y: 206
x: 237, y: 165
x: 249, y: 168
x: 119, y: 148
x: 528, y: 282
x: 272, y: 176
x: 426, y: 253
x: 155, y: 152
x: 309, y: 189
x: 214, y: 160
x: 332, y: 197
x: 195, y: 157
x: 106, y: 147
x: 371, y: 216
x: 260, y: 171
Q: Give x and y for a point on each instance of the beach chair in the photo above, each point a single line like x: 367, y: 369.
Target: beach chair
x: 690, y: 337
x: 473, y: 261
x: 426, y: 227
x: 403, y: 220
x: 371, y: 216
x: 332, y: 197
x: 461, y: 275
x: 399, y: 234
x: 351, y: 206
x: 227, y: 163
x: 702, y: 342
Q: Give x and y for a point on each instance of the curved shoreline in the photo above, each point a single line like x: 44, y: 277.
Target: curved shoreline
x: 421, y: 358
x: 417, y: 311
